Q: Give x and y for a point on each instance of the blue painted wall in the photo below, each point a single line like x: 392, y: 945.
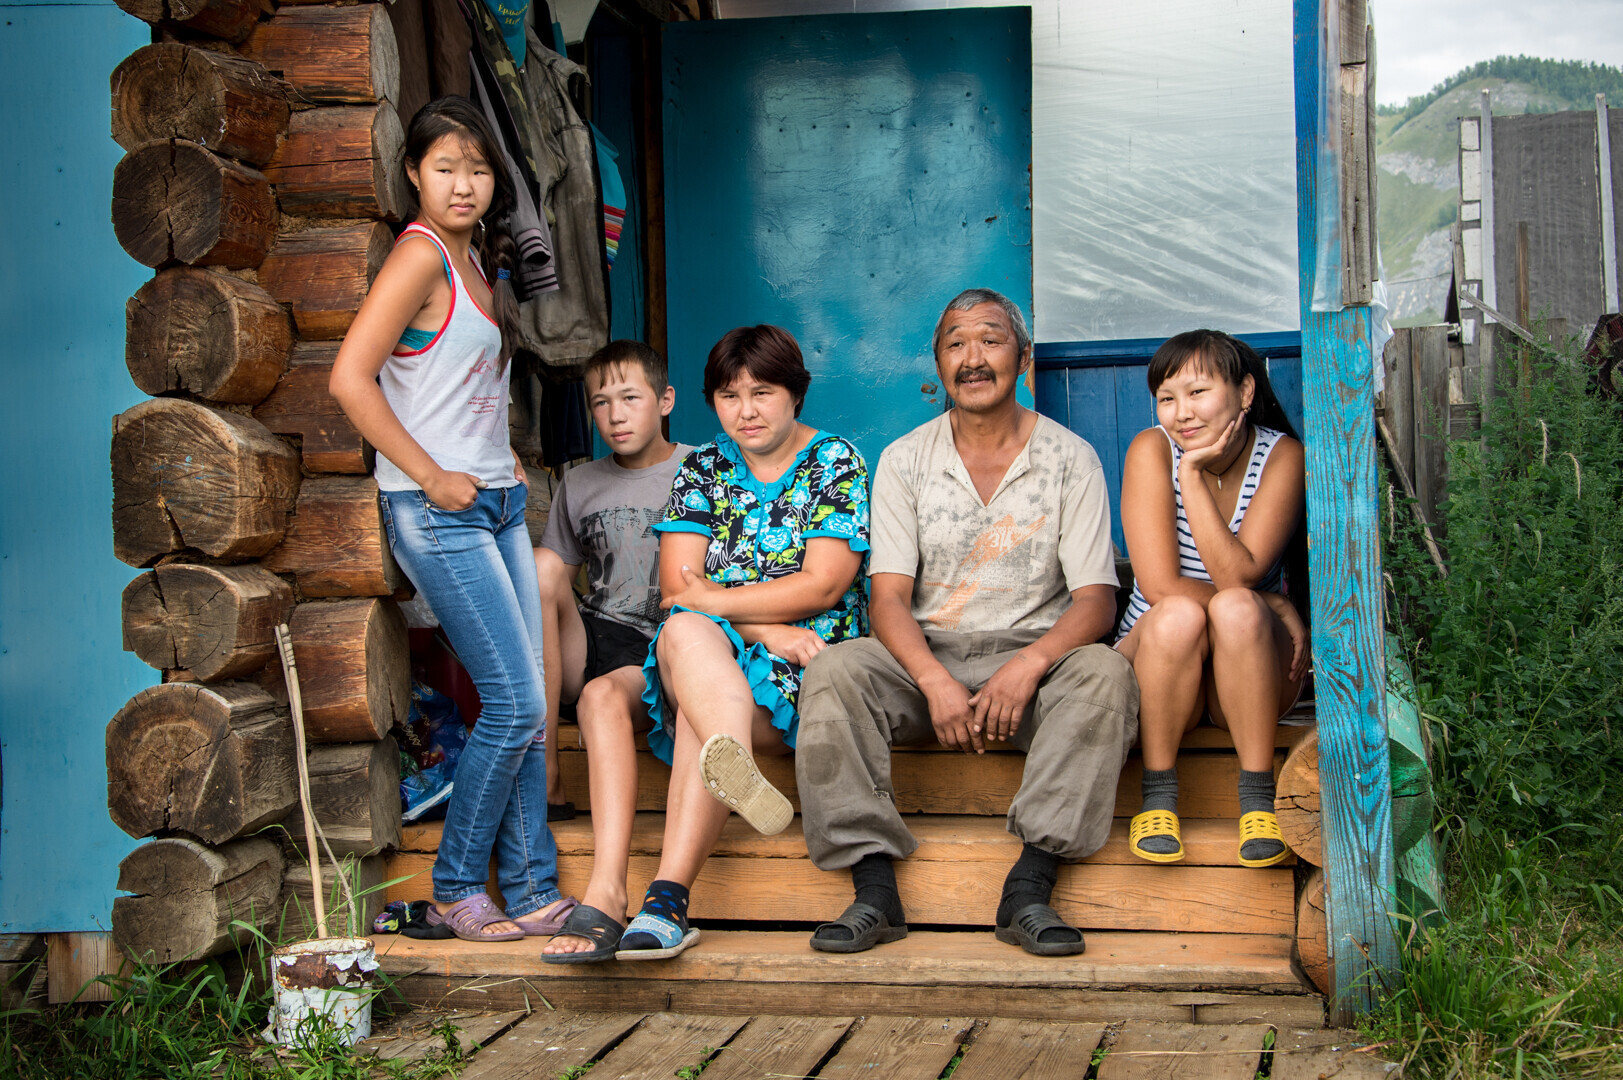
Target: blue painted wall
x: 63, y: 283
x: 843, y: 177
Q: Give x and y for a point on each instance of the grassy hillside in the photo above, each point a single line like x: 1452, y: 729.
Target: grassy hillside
x: 1417, y: 149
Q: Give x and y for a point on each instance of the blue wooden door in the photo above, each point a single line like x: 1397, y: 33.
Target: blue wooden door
x: 843, y: 176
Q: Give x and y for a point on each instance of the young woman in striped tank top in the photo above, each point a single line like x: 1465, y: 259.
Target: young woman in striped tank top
x: 423, y: 375
x: 1211, y: 501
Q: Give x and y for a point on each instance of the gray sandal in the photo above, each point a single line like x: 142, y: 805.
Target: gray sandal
x: 1026, y: 930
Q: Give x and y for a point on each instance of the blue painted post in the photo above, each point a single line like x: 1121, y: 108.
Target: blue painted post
x: 1345, y: 566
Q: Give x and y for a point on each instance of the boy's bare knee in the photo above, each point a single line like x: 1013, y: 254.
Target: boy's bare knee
x: 553, y: 574
x: 603, y: 698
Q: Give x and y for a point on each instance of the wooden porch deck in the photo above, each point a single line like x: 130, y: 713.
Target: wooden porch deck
x: 632, y: 1045
x: 1204, y: 941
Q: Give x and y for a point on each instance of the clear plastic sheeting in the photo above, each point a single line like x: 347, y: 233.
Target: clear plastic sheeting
x: 1164, y: 168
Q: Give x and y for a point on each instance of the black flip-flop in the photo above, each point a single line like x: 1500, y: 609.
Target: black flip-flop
x: 560, y: 811
x: 868, y: 926
x: 595, y: 926
x: 1027, y: 926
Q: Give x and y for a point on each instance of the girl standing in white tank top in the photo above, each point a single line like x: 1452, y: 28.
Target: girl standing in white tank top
x: 1210, y: 502
x: 423, y: 375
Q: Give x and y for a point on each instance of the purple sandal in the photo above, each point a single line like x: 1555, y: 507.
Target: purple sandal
x: 468, y: 918
x: 538, y: 925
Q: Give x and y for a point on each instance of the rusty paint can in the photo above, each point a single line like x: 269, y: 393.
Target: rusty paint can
x: 328, y: 978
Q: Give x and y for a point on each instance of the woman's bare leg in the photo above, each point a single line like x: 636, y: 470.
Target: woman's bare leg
x: 610, y: 711
x: 1251, y: 654
x: 1168, y: 647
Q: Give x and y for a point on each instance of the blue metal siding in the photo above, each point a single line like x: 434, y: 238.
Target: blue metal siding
x: 843, y: 177
x: 65, y: 280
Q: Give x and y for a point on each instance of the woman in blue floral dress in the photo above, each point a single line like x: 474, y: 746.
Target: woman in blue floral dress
x: 760, y: 561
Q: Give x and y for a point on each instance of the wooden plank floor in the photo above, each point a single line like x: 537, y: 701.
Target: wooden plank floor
x: 637, y: 1045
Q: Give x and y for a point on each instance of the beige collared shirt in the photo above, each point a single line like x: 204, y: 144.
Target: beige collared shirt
x: 1011, y: 563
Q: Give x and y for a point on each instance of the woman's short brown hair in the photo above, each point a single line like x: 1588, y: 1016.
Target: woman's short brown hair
x: 768, y: 353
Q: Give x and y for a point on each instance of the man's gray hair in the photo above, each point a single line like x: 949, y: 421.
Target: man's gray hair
x: 971, y: 298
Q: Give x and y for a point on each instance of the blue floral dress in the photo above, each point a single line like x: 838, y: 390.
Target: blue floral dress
x: 758, y: 532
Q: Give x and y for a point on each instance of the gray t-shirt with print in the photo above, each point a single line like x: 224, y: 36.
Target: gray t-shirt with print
x: 604, y: 516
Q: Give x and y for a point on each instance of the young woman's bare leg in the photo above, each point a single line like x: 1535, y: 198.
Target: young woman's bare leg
x: 1168, y: 648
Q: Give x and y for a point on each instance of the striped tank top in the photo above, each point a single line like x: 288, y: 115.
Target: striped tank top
x: 1189, y: 563
x: 449, y: 389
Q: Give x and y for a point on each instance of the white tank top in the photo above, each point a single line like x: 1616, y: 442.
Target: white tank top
x: 1189, y: 562
x: 451, y: 394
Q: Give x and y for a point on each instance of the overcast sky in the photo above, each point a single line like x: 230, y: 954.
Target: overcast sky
x: 1423, y: 42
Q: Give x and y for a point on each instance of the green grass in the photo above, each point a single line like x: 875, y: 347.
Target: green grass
x: 186, y: 1022
x: 1516, y: 657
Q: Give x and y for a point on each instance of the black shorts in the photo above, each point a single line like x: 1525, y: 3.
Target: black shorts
x: 611, y: 645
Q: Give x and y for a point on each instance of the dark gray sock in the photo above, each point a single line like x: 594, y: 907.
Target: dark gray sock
x: 1160, y: 789
x: 1257, y: 793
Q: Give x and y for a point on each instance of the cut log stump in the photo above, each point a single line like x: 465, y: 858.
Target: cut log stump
x: 189, y: 896
x: 345, y: 55
x: 173, y: 201
x: 189, y: 476
x: 231, y: 106
x: 1296, y: 801
x: 335, y: 545
x: 343, y: 162
x: 1312, y: 931
x: 355, y: 793
x: 212, y: 761
x: 325, y: 273
x: 354, y: 668
x: 301, y: 405
x: 231, y: 20
x: 208, y: 334
x: 218, y: 622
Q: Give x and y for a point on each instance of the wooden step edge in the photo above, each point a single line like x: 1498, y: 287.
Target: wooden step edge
x: 1254, y: 963
x: 942, y: 837
x: 1291, y: 730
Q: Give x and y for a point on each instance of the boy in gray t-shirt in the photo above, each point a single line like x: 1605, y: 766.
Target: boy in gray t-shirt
x: 594, y: 646
x: 602, y: 515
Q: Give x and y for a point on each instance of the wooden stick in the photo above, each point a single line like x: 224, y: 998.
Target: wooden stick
x: 284, y: 642
x: 1408, y: 489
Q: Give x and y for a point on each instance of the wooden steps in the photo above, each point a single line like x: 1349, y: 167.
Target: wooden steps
x: 931, y: 780
x: 1201, y: 978
x: 954, y: 878
x: 1205, y: 940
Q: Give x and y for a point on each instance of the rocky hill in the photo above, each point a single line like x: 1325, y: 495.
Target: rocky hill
x: 1417, y: 157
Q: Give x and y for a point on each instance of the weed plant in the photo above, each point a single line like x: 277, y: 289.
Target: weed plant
x: 1517, y: 655
x: 186, y: 1022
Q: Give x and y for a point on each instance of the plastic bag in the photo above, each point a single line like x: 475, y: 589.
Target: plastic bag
x: 431, y: 742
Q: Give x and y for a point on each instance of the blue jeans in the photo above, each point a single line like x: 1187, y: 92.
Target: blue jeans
x: 476, y: 569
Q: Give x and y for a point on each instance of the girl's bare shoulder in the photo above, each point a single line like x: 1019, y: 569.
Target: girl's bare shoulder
x: 1150, y: 445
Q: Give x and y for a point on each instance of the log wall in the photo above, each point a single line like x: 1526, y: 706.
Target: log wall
x: 263, y: 145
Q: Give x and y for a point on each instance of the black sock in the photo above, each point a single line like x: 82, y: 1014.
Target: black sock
x: 1160, y: 789
x: 1257, y: 793
x: 874, y: 876
x: 1030, y: 881
x: 669, y: 899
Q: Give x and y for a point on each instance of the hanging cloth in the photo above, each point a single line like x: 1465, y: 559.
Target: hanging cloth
x: 567, y: 326
x: 614, y: 193
x: 511, y: 16
x: 535, y: 273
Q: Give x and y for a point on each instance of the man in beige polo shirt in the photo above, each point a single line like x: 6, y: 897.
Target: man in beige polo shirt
x: 993, y: 583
